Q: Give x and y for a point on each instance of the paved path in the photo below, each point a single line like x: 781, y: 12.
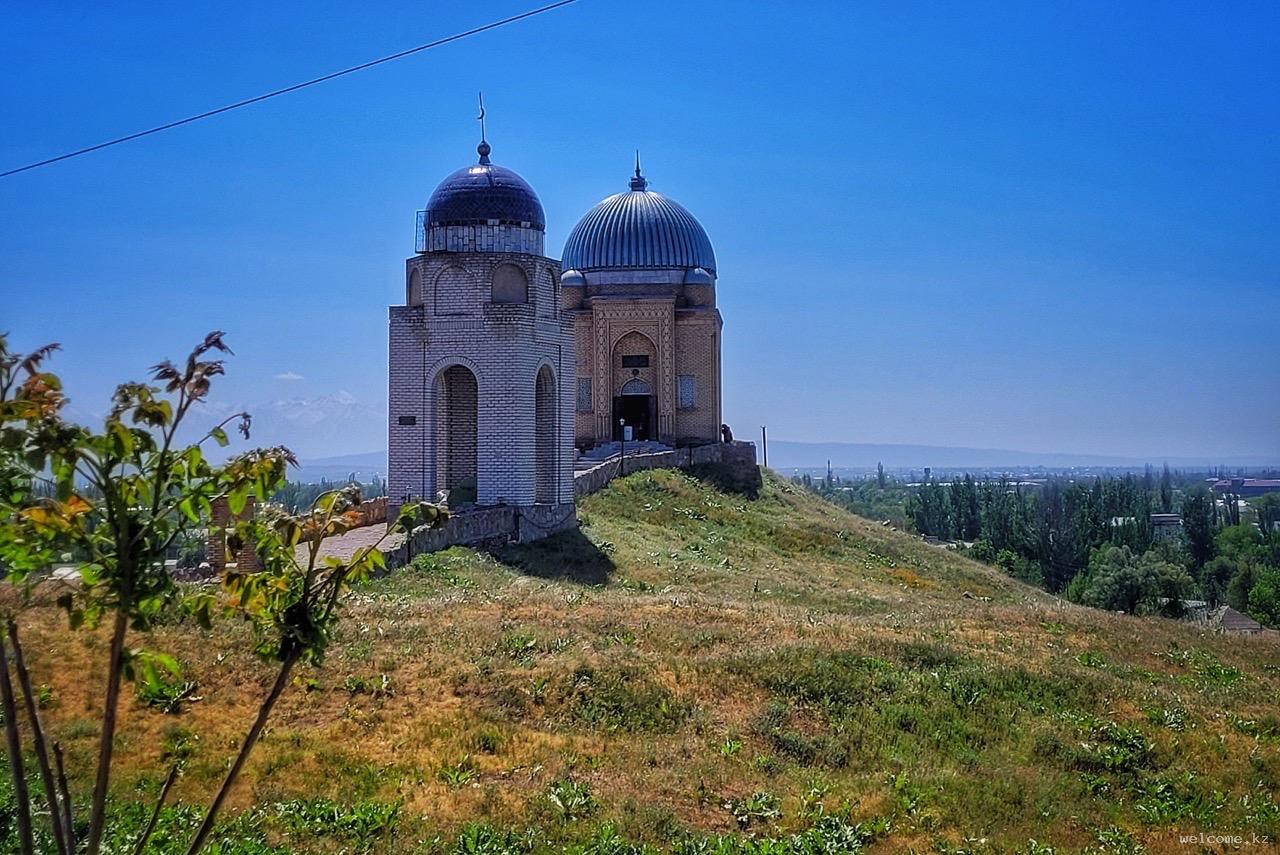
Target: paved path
x: 345, y: 545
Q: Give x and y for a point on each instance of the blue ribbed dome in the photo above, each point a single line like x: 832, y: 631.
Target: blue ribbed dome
x: 476, y: 194
x: 638, y: 229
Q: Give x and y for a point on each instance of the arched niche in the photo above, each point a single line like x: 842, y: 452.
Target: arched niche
x: 510, y: 284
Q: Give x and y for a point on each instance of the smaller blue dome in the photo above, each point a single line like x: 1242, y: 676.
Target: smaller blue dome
x: 483, y: 192
x: 638, y: 229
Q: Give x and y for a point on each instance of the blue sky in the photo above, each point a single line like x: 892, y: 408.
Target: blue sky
x: 1033, y: 226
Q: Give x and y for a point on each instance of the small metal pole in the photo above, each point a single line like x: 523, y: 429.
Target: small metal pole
x: 764, y: 444
x: 622, y: 451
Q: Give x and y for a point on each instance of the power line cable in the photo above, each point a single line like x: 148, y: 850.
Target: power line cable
x: 294, y: 88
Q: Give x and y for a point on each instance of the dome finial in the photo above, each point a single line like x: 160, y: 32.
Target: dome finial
x: 483, y: 148
x: 638, y: 182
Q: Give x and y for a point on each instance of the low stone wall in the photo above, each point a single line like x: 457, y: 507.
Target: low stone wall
x: 503, y: 524
x: 736, y: 454
x: 373, y: 511
x: 370, y: 512
x: 486, y: 527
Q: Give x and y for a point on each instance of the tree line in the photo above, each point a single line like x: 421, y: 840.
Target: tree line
x: 1094, y: 540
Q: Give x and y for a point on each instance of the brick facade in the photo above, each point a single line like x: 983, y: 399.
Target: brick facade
x: 221, y: 519
x: 481, y: 391
x: 654, y: 319
x: 497, y: 371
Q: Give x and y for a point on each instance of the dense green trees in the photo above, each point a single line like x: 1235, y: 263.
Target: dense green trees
x: 1199, y: 520
x: 1264, y: 597
x: 1120, y: 580
x: 1093, y: 539
x: 1268, y: 510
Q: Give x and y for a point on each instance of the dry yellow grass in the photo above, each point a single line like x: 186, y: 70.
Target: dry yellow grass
x: 899, y: 679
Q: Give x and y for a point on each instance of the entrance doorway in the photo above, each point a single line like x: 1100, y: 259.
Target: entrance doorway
x: 637, y: 411
x: 637, y: 408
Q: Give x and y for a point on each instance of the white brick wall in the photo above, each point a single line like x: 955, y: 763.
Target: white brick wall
x: 504, y: 345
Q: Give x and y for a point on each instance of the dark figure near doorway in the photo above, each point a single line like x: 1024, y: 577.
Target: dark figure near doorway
x: 726, y: 435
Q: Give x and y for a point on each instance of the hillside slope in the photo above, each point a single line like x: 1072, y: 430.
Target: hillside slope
x: 696, y: 663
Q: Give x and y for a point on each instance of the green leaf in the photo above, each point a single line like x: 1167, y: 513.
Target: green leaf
x: 326, y: 501
x: 238, y: 498
x: 123, y: 438
x: 167, y: 662
x: 220, y: 436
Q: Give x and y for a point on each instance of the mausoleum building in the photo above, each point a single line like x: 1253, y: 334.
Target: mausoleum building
x: 480, y: 351
x: 640, y: 281
x: 502, y: 368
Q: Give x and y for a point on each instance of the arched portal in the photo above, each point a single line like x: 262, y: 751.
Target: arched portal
x: 544, y: 454
x: 457, y: 398
x: 635, y: 374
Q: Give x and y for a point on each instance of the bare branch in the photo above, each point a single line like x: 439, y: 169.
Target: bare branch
x: 14, y: 745
x: 155, y: 813
x: 68, y: 817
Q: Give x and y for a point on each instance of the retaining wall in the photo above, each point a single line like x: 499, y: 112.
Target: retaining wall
x: 492, y: 526
x: 505, y: 524
x: 735, y: 454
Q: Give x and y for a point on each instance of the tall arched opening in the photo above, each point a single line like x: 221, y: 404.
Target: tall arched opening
x: 545, y: 430
x: 457, y: 396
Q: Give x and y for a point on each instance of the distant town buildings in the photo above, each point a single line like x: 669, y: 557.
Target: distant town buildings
x: 1246, y: 487
x: 1166, y: 527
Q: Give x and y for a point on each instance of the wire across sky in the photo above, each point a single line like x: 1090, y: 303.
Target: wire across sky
x: 493, y: 25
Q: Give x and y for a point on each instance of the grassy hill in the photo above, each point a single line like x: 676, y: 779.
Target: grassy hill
x: 741, y: 674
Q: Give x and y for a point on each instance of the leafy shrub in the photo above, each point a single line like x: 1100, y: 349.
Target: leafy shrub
x: 1114, y: 749
x: 362, y: 824
x: 459, y: 774
x: 177, y: 743
x: 571, y: 799
x: 1089, y: 659
x: 1165, y: 800
x: 808, y: 750
x: 482, y: 839
x: 759, y: 807
x: 377, y: 687
x: 1115, y: 841
x: 165, y: 693
x: 830, y: 834
x: 519, y: 646
x: 487, y: 741
x: 1174, y: 718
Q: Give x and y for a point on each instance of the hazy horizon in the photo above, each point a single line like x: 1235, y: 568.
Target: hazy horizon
x: 1049, y: 230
